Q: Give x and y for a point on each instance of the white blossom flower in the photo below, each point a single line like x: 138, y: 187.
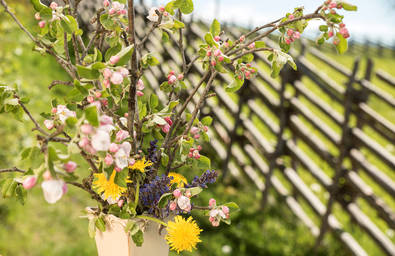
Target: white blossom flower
x: 63, y: 113
x: 101, y: 141
x: 53, y: 190
x: 152, y: 15
x: 122, y: 155
x: 184, y: 203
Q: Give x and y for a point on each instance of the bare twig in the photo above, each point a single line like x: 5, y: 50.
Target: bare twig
x: 13, y: 169
x: 57, y: 82
x: 181, y: 45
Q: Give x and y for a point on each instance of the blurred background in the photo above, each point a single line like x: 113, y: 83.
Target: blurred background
x: 288, y: 224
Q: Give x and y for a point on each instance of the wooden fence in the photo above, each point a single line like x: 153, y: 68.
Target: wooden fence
x: 297, y: 135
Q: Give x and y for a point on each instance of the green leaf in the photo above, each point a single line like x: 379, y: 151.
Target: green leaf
x: 138, y: 238
x: 91, y: 115
x: 20, y: 193
x: 69, y: 24
x: 185, y: 6
x: 88, y: 72
x: 124, y: 55
x: 164, y: 199
x: 71, y: 121
x: 348, y: 6
x: 107, y: 22
x: 342, y: 45
x: 232, y: 205
x: 112, y: 51
x: 178, y: 24
x: 260, y: 44
x: 207, y: 120
x: 120, y: 178
x: 165, y: 37
x: 100, y: 224
x: 210, y: 40
x: 195, y: 191
x: 132, y: 227
x: 204, y: 162
x: 215, y: 28
x: 149, y: 60
x: 166, y: 87
x: 154, y: 101
x: 92, y: 227
x: 98, y: 65
x: 235, y: 85
x: 170, y: 7
x: 38, y: 6
x: 5, y: 186
x: 323, y: 28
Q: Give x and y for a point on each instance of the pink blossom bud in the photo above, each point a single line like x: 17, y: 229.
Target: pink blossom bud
x: 217, y: 52
x: 64, y: 188
x: 247, y: 73
x: 206, y: 128
x: 242, y: 38
x: 290, y: 32
x: 190, y: 154
x: 106, y: 120
x: 29, y: 182
x: 208, y: 53
x: 333, y: 11
x: 213, y: 63
x: 139, y: 93
x: 196, y: 155
x: 194, y: 130
x: 344, y: 32
x: 199, y: 148
x: 217, y: 38
x: 226, y: 44
x: 165, y: 14
x: 41, y: 24
x: 54, y: 110
x: 191, y: 149
x: 172, y: 79
x: 107, y: 73
x: 106, y: 83
x: 86, y: 128
x: 121, y: 135
x: 339, y: 6
x: 84, y: 142
x: 108, y: 160
x: 104, y: 102
x: 117, y: 169
x: 342, y: 25
x: 296, y: 35
x: 172, y: 72
x: 330, y: 33
x: 211, y: 219
x: 112, y: 11
x: 120, y: 203
x: 177, y: 193
x: 197, y: 136
x: 98, y: 94
x: 47, y: 175
x: 53, y: 5
x: 251, y: 46
x: 113, y: 148
x: 70, y: 166
x: 165, y: 128
x: 221, y: 58
x: 215, y: 223
x: 122, y: 12
x: 333, y: 5
x: 173, y: 206
x: 49, y: 124
x: 37, y: 16
x: 116, y: 78
x: 161, y: 8
x: 291, y: 17
x: 225, y: 209
x: 106, y: 3
x: 140, y: 85
x: 168, y: 120
x: 212, y: 203
x: 188, y: 193
x: 124, y: 72
x: 336, y: 41
x: 114, y: 59
x: 288, y: 41
x: 180, y: 77
x: 90, y: 99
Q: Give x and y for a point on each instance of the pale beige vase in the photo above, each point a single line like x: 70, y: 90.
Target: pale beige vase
x: 116, y: 242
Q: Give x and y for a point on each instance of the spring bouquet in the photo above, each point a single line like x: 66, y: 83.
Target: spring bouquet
x: 138, y: 147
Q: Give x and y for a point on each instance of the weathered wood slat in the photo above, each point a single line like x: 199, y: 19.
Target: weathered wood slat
x: 379, y: 123
x: 387, y: 98
x: 384, y: 76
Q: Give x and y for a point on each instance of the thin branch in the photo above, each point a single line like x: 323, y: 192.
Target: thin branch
x: 181, y: 45
x: 251, y: 51
x: 58, y: 82
x: 37, y: 126
x: 152, y: 29
x: 13, y: 169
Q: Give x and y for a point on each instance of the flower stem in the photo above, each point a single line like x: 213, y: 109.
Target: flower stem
x: 152, y: 218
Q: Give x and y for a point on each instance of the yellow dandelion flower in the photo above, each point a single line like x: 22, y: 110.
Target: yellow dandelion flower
x: 108, y: 187
x: 141, y: 165
x: 178, y: 179
x: 182, y: 234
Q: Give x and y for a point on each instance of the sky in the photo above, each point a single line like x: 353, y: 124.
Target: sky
x: 374, y: 19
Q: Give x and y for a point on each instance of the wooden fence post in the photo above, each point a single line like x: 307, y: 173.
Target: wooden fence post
x: 344, y: 152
